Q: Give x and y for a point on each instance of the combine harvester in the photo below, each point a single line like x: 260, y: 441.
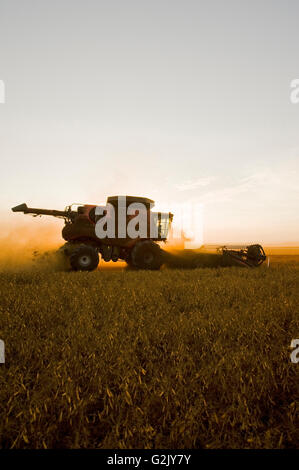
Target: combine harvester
x: 83, y: 246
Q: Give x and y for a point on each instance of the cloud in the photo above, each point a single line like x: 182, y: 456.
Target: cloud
x: 275, y: 188
x: 193, y: 184
x: 272, y: 187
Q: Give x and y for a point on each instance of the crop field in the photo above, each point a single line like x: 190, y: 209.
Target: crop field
x: 181, y: 358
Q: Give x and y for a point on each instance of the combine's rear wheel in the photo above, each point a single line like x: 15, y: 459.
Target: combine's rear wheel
x: 84, y: 258
x: 146, y: 255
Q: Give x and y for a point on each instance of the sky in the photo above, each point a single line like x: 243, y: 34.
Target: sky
x: 184, y: 102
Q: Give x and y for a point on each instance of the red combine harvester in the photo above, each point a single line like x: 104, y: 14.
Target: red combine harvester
x: 83, y: 245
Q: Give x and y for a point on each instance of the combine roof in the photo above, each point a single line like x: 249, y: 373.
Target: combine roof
x: 130, y: 199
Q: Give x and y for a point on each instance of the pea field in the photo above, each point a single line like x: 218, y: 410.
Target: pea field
x: 180, y: 358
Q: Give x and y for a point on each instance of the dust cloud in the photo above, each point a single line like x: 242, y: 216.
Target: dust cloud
x: 25, y: 248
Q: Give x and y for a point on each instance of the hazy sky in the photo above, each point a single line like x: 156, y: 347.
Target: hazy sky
x: 174, y: 100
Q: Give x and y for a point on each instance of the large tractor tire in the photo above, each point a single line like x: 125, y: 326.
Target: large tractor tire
x: 146, y: 255
x: 84, y: 258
